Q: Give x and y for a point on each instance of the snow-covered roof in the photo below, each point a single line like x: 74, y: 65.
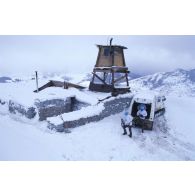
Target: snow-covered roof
x: 22, y: 93
x: 145, y: 95
x: 120, y: 46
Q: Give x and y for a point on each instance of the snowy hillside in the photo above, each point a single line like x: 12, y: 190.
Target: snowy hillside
x: 179, y: 82
x: 172, y: 138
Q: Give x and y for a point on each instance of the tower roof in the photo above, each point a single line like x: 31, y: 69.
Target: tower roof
x: 119, y: 46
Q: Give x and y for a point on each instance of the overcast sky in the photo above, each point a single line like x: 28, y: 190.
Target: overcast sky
x: 77, y: 54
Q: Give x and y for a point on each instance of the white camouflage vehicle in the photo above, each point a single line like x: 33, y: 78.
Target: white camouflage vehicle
x: 154, y: 105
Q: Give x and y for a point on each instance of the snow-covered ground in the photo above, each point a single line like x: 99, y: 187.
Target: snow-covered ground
x: 24, y: 139
x: 173, y: 137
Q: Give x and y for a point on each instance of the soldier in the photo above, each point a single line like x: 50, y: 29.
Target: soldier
x: 126, y: 122
x: 142, y: 114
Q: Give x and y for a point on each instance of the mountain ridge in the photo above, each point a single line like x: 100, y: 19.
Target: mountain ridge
x: 179, y: 82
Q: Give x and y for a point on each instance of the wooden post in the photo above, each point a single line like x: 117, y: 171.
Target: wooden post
x: 104, y: 76
x: 65, y: 85
x: 93, y: 76
x: 112, y: 79
x: 126, y: 75
x: 36, y: 74
x: 123, y: 56
x: 113, y: 56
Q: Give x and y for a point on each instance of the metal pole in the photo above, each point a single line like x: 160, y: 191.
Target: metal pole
x: 36, y: 73
x: 112, y: 51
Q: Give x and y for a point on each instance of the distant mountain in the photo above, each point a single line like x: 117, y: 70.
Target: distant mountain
x: 87, y: 77
x: 133, y: 76
x: 180, y: 82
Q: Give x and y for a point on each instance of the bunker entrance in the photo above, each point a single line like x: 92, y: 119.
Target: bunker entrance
x: 55, y: 107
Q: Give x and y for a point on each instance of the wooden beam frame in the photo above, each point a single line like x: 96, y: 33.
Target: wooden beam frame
x: 126, y: 75
x: 64, y: 84
x: 110, y: 69
x: 123, y: 77
x: 99, y: 78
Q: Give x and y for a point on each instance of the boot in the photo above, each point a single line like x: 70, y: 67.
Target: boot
x: 130, y: 132
x: 125, y: 132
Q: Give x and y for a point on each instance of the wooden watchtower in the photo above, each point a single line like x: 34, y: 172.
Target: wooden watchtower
x: 110, y: 73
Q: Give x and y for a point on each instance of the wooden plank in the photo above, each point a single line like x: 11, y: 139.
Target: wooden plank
x: 61, y: 84
x: 49, y: 84
x: 110, y: 69
x: 103, y: 70
x: 75, y: 85
x: 57, y: 83
x: 64, y: 84
x: 121, y: 71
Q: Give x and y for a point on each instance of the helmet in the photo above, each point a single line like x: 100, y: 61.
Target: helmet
x: 126, y: 113
x: 142, y: 106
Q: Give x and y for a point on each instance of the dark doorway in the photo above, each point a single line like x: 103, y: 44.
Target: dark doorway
x: 135, y: 109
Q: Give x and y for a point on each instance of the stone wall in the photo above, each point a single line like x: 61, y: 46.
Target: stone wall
x: 111, y: 107
x: 54, y: 107
x: 27, y: 112
x: 47, y: 108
